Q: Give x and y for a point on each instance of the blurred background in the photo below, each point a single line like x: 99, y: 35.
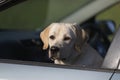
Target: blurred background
x: 36, y: 14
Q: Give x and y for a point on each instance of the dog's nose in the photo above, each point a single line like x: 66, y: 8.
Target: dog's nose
x: 54, y: 49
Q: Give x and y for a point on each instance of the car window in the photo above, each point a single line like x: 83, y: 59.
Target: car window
x: 32, y: 15
x: 36, y: 14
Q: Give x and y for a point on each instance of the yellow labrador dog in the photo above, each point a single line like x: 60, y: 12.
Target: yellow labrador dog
x: 67, y: 45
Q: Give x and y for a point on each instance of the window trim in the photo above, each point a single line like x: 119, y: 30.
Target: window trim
x: 33, y: 63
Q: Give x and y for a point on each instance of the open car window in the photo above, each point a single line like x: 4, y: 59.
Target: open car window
x: 20, y: 27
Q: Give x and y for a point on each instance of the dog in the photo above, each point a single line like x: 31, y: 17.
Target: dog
x: 67, y: 45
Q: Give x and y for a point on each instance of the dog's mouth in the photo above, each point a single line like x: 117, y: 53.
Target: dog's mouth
x: 56, y: 56
x: 53, y: 58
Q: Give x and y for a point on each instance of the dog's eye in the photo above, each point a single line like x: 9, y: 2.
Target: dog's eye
x: 52, y: 37
x: 67, y: 38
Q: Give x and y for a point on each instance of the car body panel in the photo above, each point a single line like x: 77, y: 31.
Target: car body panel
x: 30, y: 72
x: 26, y: 70
x: 116, y: 76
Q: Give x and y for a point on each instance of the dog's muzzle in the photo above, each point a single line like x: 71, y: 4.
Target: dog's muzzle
x: 54, y: 52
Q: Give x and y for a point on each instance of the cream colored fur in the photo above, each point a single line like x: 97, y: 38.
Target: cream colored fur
x: 71, y: 41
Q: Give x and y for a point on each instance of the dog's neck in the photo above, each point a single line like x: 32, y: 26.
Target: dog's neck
x: 74, y: 58
x: 85, y: 58
x: 71, y: 60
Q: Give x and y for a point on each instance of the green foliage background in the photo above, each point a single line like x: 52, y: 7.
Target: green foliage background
x: 35, y: 14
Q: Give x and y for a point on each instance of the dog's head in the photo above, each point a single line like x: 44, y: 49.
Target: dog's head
x: 63, y: 40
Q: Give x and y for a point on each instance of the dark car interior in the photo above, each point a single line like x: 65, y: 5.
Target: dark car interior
x: 20, y: 45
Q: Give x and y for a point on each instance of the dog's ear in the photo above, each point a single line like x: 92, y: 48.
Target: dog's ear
x: 81, y: 37
x: 44, y: 37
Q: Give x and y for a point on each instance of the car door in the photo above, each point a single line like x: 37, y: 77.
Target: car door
x: 19, y: 70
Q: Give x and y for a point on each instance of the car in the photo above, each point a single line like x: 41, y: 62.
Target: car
x: 21, y: 53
